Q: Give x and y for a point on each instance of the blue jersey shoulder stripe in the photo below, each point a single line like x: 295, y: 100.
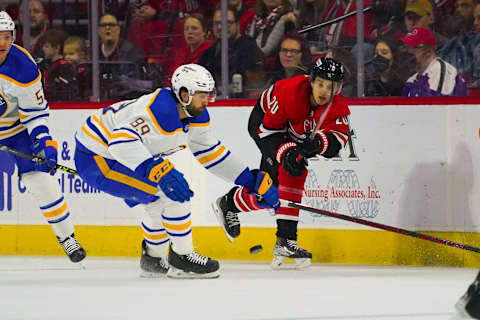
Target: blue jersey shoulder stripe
x: 164, y: 112
x: 95, y: 129
x: 33, y: 110
x: 19, y: 66
x: 203, y: 118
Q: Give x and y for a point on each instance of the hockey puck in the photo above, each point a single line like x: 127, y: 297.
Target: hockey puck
x: 256, y: 249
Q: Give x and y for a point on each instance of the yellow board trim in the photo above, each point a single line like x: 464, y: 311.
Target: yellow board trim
x: 370, y: 247
x: 178, y: 227
x: 122, y: 178
x: 212, y: 156
x: 56, y: 212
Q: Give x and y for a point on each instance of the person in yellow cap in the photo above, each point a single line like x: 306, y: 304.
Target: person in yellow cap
x: 419, y: 13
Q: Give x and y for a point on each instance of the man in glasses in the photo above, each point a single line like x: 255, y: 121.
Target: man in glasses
x: 120, y: 61
x: 242, y: 51
x: 434, y: 76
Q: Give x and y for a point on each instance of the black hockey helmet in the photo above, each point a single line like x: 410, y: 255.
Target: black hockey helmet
x: 328, y: 68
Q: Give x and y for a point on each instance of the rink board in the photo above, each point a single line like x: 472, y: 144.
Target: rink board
x: 410, y: 166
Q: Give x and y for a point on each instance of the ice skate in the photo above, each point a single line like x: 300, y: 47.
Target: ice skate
x: 227, y: 219
x: 152, y: 267
x: 286, y: 248
x: 191, y: 266
x: 72, y: 248
x: 468, y: 306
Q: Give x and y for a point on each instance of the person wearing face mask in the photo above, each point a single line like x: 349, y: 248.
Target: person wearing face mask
x: 383, y: 78
x: 434, y: 76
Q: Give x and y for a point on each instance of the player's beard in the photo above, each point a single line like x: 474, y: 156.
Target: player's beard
x: 194, y: 112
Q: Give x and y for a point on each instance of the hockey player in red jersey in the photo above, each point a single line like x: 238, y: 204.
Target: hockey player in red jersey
x: 281, y: 124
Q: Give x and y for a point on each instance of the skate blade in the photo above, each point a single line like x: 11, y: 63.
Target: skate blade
x: 149, y: 274
x: 180, y: 274
x: 220, y: 219
x: 279, y: 263
x: 460, y: 311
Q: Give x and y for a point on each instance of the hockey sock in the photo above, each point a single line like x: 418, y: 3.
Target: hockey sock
x: 46, y: 190
x: 287, y: 229
x: 240, y: 200
x: 155, y: 236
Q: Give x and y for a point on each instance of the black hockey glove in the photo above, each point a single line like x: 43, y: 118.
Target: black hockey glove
x: 293, y: 163
x: 310, y: 147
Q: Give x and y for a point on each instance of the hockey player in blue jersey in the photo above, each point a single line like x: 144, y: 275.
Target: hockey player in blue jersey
x: 24, y: 126
x: 121, y: 150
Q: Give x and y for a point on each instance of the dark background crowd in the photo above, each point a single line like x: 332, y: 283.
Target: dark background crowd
x: 410, y: 48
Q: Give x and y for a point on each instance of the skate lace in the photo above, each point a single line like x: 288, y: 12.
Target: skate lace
x: 292, y: 245
x: 197, y: 258
x: 232, y: 219
x: 70, y: 245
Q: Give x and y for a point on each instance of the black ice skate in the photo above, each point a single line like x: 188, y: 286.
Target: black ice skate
x: 191, y: 266
x: 227, y: 219
x: 152, y: 267
x: 72, y: 248
x: 286, y: 248
x: 468, y: 307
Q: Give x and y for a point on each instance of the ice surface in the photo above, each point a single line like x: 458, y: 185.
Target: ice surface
x: 51, y: 288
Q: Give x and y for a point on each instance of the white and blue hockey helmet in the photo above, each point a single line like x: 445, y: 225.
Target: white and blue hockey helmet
x: 194, y: 78
x: 6, y: 23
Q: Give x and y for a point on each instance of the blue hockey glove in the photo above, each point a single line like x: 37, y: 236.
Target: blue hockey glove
x: 266, y: 190
x: 46, y: 148
x: 170, y: 180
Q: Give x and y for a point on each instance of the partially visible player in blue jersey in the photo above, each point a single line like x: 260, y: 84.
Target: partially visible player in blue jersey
x: 24, y: 126
x: 121, y: 150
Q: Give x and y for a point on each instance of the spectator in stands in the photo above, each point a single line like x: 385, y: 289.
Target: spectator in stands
x: 458, y: 51
x: 75, y: 53
x: 58, y: 77
x: 239, y: 8
x: 272, y: 19
x: 434, y: 76
x: 419, y: 13
x: 38, y: 27
x: 120, y: 62
x: 382, y: 74
x: 241, y: 52
x: 475, y: 83
x: 293, y: 58
x: 195, y: 34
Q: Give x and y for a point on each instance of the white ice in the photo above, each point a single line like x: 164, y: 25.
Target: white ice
x: 51, y: 288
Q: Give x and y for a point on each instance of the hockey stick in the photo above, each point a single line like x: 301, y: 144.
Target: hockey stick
x: 290, y: 204
x: 332, y: 21
x: 36, y: 159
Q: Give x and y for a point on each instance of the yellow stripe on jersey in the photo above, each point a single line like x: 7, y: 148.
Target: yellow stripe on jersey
x: 19, y: 83
x: 123, y: 135
x: 56, y: 212
x: 178, y: 227
x: 204, y: 124
x: 212, y: 156
x: 122, y: 178
x: 84, y: 129
x: 154, y: 120
x: 16, y: 129
x: 155, y: 236
x: 7, y: 122
x: 105, y: 130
